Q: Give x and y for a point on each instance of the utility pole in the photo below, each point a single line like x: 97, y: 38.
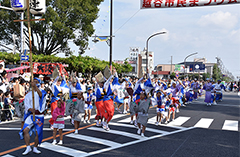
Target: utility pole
x: 171, y: 65
x: 21, y: 35
x: 111, y: 33
x: 30, y: 46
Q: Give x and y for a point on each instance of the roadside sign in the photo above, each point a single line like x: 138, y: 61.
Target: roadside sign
x: 24, y: 58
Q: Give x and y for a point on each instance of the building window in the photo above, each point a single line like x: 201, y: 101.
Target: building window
x: 159, y: 68
x: 144, y: 61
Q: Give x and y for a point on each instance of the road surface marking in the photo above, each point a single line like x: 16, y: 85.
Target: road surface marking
x: 118, y: 116
x: 126, y: 120
x: 132, y: 126
x: 137, y: 141
x: 62, y: 149
x: 46, y: 139
x: 95, y: 140
x: 230, y: 125
x: 45, y: 129
x: 178, y: 121
x: 8, y: 155
x: 117, y: 132
x: 153, y: 120
x: 204, y: 123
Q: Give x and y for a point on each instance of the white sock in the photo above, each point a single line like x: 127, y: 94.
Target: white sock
x: 28, y: 147
x: 35, y: 148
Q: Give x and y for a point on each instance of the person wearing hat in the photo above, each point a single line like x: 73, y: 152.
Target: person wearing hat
x: 30, y: 126
x: 173, y: 91
x: 207, y: 87
x: 99, y: 101
x: 41, y: 77
x: 142, y: 110
x: 218, y: 87
x: 75, y: 88
x: 88, y: 98
x: 195, y: 86
x: 108, y: 101
x: 42, y: 87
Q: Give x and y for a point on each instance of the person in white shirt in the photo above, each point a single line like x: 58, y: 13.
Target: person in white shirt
x: 29, y: 124
x: 88, y: 98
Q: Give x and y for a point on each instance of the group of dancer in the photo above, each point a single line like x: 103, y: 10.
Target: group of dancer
x: 137, y: 98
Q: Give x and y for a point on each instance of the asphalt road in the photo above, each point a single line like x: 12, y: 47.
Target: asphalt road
x: 198, y: 130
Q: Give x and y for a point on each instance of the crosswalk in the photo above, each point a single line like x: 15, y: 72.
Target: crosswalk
x: 230, y: 125
x: 122, y: 134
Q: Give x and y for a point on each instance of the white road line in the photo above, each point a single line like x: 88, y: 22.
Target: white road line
x: 132, y: 126
x: 8, y: 155
x: 178, y: 121
x: 62, y: 149
x: 95, y: 140
x: 204, y: 123
x: 230, y: 125
x: 45, y: 129
x: 118, y: 116
x: 7, y: 122
x: 137, y: 141
x: 117, y: 132
x: 126, y: 120
x: 153, y: 120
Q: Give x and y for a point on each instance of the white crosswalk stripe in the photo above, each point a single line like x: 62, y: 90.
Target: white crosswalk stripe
x: 118, y: 116
x: 178, y: 121
x: 132, y: 126
x: 231, y: 125
x: 95, y: 140
x: 117, y: 132
x: 204, y: 123
x: 62, y: 149
x: 126, y: 120
x: 153, y: 120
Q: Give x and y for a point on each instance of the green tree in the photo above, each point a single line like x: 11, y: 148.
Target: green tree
x: 205, y: 76
x: 173, y: 75
x: 64, y: 20
x: 86, y: 65
x: 216, y: 72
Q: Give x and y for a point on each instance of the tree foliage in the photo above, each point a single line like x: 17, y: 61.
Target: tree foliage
x: 64, y: 20
x: 86, y: 65
x: 217, y: 74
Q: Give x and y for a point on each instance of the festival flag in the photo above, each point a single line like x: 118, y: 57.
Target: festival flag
x: 103, y: 38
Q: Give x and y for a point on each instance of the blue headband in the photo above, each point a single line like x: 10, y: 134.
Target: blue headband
x: 37, y: 79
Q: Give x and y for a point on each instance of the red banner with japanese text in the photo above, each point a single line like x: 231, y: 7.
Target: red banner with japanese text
x: 145, y: 4
x: 45, y: 68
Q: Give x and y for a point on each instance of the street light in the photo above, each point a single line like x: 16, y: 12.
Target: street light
x: 109, y: 41
x: 147, y: 45
x: 185, y: 61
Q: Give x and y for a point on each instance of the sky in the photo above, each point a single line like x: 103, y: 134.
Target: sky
x: 212, y: 31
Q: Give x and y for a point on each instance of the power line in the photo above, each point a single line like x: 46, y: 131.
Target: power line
x: 127, y: 21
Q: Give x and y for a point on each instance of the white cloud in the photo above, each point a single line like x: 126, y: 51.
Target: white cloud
x: 219, y: 20
x: 235, y: 36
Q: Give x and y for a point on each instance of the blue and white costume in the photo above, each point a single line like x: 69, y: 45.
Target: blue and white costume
x: 218, y: 87
x: 88, y: 100
x: 37, y: 125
